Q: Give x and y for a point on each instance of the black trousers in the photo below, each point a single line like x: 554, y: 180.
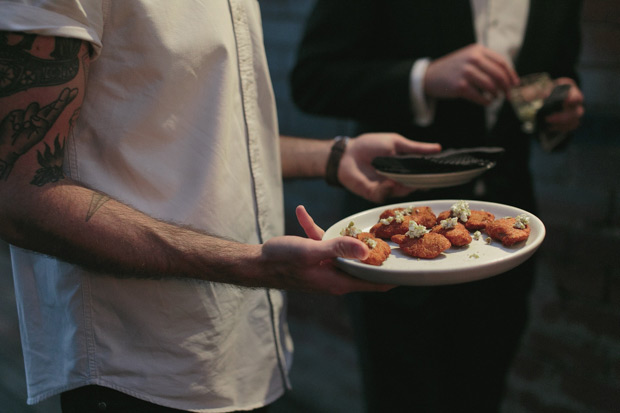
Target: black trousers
x: 97, y: 399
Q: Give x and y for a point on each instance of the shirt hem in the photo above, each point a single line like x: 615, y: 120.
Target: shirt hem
x: 268, y: 400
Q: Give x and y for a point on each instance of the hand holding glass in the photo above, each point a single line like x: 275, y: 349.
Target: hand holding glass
x: 529, y: 96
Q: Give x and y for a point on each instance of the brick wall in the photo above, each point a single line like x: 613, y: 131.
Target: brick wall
x: 570, y: 357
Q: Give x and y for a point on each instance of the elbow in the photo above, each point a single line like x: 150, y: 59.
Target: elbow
x: 9, y: 230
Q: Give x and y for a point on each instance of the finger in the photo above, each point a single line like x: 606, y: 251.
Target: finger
x: 312, y: 230
x: 480, y: 80
x: 339, y: 282
x: 565, y: 81
x: 399, y: 190
x: 574, y: 98
x: 405, y: 146
x: 382, y: 190
x: 565, y: 121
x: 473, y: 94
x: 500, y: 63
x: 357, y: 284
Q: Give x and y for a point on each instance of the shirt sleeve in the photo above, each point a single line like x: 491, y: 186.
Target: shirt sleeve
x: 84, y: 21
x: 423, y: 107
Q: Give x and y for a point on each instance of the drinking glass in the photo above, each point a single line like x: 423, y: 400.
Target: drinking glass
x: 528, y: 97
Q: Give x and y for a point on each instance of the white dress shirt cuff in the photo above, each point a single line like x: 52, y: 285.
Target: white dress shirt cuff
x: 423, y: 108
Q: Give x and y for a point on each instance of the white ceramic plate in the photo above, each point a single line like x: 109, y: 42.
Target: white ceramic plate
x: 441, y: 180
x: 456, y: 265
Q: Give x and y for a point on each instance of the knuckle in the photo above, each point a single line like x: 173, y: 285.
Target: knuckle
x: 461, y: 86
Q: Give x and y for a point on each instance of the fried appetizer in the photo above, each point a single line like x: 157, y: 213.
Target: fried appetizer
x: 456, y: 232
x: 391, y: 225
x: 422, y: 215
x: 392, y: 212
x: 418, y: 242
x: 509, y: 230
x: 427, y: 246
x: 472, y: 219
x: 479, y: 220
x: 379, y: 249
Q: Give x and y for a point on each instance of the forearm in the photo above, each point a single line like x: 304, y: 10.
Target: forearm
x: 304, y: 158
x: 42, y: 210
x: 87, y: 228
x: 101, y: 234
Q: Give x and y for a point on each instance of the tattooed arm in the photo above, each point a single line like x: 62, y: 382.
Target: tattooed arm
x: 44, y: 211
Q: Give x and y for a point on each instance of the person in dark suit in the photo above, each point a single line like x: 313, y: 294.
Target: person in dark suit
x: 439, y: 71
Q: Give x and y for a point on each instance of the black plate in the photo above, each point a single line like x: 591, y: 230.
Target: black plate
x: 450, y: 160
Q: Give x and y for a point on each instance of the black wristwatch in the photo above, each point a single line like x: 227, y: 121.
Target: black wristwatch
x: 333, y: 162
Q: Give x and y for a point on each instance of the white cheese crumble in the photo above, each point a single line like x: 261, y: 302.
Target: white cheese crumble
x: 350, y: 230
x: 477, y: 235
x: 461, y: 210
x: 449, y: 223
x: 371, y: 243
x: 416, y: 230
x: 521, y: 221
x: 387, y: 221
x: 399, y: 217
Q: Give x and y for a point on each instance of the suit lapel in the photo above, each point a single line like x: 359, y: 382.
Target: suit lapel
x: 536, y: 28
x: 455, y: 20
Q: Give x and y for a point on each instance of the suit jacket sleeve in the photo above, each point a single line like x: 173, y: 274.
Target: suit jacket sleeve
x: 341, y: 69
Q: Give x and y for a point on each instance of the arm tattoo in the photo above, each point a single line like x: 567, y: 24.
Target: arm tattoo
x: 21, y: 129
x: 51, y: 164
x: 96, y: 202
x: 20, y: 70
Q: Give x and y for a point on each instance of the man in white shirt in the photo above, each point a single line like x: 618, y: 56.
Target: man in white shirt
x: 438, y: 71
x: 140, y: 188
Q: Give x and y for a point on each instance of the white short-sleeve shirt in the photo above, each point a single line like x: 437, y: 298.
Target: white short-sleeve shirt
x: 178, y: 121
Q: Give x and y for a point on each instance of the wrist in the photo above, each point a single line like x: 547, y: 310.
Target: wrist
x: 333, y: 161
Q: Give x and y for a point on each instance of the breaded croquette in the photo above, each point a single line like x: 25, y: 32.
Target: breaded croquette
x: 422, y: 215
x: 379, y: 249
x: 477, y: 220
x: 506, y: 231
x: 428, y: 246
x: 458, y: 235
x: 392, y: 225
x: 392, y: 212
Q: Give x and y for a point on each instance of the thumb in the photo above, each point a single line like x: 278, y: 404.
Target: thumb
x: 408, y: 146
x: 345, y: 247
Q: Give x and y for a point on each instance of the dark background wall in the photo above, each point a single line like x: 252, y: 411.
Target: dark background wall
x: 570, y: 357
